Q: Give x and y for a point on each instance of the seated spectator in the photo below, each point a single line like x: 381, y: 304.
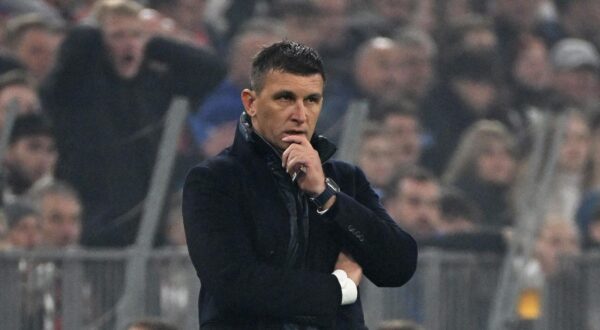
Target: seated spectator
x: 61, y: 213
x: 567, y: 183
x: 468, y: 91
x: 31, y: 156
x: 401, y: 123
x: 484, y: 168
x: 558, y: 237
x: 460, y: 228
x: 575, y: 82
x: 413, y: 200
x: 24, y: 226
x: 375, y: 158
x: 457, y: 213
x: 34, y: 41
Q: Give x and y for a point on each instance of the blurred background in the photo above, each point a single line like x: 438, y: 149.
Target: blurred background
x: 476, y: 121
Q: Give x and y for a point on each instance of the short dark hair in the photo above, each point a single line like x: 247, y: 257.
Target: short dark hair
x: 31, y: 124
x: 286, y: 56
x: 417, y: 173
x: 454, y: 204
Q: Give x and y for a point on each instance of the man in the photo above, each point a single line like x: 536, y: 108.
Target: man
x: 61, y: 213
x: 413, y: 200
x: 34, y: 41
x: 266, y: 223
x: 31, y: 156
x: 107, y: 96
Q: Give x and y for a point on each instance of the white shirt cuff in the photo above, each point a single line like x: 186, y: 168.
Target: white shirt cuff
x: 349, y: 289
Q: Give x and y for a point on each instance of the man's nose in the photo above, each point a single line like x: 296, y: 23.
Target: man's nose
x: 299, y: 111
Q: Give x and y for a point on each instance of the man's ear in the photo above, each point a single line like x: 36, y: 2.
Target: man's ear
x: 248, y: 98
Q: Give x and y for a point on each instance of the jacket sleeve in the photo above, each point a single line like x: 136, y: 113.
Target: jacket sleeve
x: 220, y: 246
x: 387, y: 254
x: 194, y: 71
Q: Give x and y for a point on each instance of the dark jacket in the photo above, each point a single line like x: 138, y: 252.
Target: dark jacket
x: 108, y: 128
x: 238, y: 235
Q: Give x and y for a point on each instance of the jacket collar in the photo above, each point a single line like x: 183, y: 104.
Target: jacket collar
x: 245, y: 136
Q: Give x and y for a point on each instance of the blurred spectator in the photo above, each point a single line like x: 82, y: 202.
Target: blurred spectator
x: 467, y: 92
x: 458, y: 214
x: 558, y: 237
x: 473, y: 33
x: 575, y: 19
x: 110, y: 88
x: 61, y: 213
x: 484, y: 168
x: 15, y: 86
x: 382, y: 18
x: 576, y: 65
x: 185, y: 18
x: 379, y: 74
x: 34, y: 41
x: 214, y: 123
x: 31, y: 156
x: 11, y: 8
x: 400, y: 120
x: 420, y: 53
x: 413, y: 200
x: 512, y: 19
x: 567, y: 184
x: 531, y: 74
x: 375, y: 158
x: 24, y: 226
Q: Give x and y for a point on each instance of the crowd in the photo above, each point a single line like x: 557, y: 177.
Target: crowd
x: 455, y: 90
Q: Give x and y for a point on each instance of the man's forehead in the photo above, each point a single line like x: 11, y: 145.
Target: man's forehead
x: 283, y: 80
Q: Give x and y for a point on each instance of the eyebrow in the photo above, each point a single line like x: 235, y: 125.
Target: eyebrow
x: 285, y: 93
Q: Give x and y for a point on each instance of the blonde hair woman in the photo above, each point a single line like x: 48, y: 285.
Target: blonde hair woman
x: 484, y: 167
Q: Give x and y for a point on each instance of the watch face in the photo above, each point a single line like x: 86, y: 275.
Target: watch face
x: 332, y: 184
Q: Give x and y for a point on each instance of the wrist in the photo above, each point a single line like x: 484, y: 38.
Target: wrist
x: 348, y: 287
x: 325, y: 199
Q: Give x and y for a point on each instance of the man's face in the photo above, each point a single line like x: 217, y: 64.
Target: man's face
x: 416, y: 208
x: 61, y: 220
x: 32, y: 157
x: 288, y: 104
x: 556, y: 240
x: 404, y: 133
x: 375, y: 159
x: 124, y: 39
x: 380, y: 73
x: 37, y: 51
x: 575, y: 147
x: 418, y: 64
x: 578, y: 85
x: 26, y: 234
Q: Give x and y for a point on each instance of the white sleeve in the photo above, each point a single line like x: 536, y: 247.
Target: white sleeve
x: 349, y: 289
